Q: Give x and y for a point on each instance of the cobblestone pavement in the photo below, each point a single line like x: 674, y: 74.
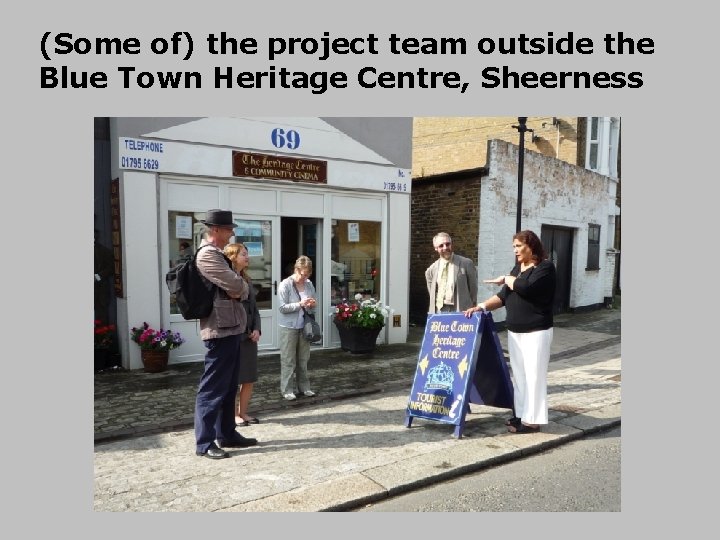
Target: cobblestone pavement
x: 346, y: 447
x: 131, y: 403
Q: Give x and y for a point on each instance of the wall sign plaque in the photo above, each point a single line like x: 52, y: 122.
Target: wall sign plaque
x: 249, y: 164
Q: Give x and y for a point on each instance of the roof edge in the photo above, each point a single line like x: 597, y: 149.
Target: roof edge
x: 454, y: 175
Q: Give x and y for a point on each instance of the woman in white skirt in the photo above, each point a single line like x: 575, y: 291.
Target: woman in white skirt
x: 527, y: 294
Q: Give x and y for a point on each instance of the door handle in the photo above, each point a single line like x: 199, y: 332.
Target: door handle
x: 275, y: 287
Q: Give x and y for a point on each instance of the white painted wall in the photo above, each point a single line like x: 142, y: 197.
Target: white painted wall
x: 397, y: 276
x: 141, y: 263
x: 361, y: 190
x: 554, y: 193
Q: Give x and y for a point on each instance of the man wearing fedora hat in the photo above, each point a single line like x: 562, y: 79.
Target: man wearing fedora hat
x: 220, y: 331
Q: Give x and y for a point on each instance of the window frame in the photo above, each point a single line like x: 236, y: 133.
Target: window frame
x: 593, y: 252
x: 593, y: 142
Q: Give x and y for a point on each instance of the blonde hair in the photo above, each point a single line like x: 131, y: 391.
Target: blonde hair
x: 231, y: 251
x: 304, y: 262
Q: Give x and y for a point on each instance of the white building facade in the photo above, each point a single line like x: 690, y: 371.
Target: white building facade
x: 296, y: 186
x: 571, y: 208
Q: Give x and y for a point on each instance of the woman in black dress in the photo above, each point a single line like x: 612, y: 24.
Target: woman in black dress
x: 527, y: 294
x: 248, y: 373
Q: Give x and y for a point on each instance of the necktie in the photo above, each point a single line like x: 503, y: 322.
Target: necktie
x: 442, y: 285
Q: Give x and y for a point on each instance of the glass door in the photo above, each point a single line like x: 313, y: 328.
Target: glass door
x: 256, y: 234
x: 184, y: 234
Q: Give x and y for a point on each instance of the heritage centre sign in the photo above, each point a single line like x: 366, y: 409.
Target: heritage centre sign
x: 253, y: 165
x: 460, y: 362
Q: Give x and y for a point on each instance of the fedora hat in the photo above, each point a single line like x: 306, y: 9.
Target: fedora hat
x: 220, y: 218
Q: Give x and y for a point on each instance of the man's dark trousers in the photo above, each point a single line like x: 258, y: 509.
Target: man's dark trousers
x: 215, y: 401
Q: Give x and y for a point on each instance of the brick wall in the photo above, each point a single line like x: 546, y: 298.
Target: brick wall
x: 447, y: 144
x: 478, y: 209
x: 450, y: 205
x: 555, y: 193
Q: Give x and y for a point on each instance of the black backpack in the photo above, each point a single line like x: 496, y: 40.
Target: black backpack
x: 194, y: 293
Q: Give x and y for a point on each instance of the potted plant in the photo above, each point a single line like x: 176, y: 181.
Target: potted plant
x: 359, y: 323
x: 155, y: 346
x: 103, y: 340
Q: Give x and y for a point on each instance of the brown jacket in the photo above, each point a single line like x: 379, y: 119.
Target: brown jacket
x: 228, y: 317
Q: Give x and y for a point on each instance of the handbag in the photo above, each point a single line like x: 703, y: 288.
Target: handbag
x: 311, y: 330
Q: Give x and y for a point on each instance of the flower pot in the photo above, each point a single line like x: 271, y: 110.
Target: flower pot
x: 357, y: 340
x: 155, y: 361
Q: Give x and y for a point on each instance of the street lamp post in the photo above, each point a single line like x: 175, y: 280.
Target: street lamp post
x: 522, y: 128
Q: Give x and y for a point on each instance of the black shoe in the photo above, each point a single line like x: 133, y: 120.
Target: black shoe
x: 238, y: 442
x: 246, y: 423
x: 213, y: 452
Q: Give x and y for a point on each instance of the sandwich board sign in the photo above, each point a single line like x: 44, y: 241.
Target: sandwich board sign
x: 460, y: 362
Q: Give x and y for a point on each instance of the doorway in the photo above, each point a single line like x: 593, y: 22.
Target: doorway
x: 300, y: 236
x: 558, y: 243
x: 303, y: 236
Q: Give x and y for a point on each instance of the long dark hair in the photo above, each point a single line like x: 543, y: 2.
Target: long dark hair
x: 531, y: 240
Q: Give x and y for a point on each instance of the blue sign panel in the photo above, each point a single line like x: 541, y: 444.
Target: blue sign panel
x: 460, y: 362
x: 491, y: 379
x: 444, y: 367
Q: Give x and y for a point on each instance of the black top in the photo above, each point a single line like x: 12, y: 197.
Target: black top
x: 253, y: 315
x: 530, y: 305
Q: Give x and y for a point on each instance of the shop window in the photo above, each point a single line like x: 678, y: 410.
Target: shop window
x: 255, y: 235
x: 184, y: 235
x: 355, y: 260
x: 593, y: 143
x: 593, y: 258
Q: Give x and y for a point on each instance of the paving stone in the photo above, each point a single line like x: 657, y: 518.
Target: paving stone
x: 345, y: 447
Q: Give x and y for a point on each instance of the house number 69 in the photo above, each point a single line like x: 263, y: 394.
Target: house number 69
x: 288, y: 139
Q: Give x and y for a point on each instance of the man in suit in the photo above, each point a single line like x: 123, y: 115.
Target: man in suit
x: 451, y: 280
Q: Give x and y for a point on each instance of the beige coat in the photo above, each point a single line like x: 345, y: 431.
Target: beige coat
x: 465, y: 285
x: 228, y: 317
